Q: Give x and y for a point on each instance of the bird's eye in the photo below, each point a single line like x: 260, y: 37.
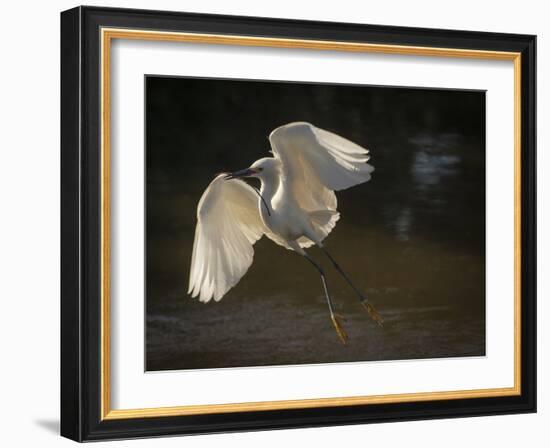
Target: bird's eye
x: 260, y: 169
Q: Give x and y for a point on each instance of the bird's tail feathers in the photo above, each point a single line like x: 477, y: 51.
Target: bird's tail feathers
x: 322, y: 223
x: 322, y: 218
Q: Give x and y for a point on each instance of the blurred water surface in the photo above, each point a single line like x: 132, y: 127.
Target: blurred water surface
x: 413, y: 238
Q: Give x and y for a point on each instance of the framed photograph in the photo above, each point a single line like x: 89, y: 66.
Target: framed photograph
x: 275, y: 224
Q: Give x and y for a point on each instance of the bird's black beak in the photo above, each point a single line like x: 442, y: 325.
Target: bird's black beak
x: 247, y: 172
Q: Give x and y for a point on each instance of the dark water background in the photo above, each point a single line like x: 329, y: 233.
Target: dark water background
x: 413, y: 238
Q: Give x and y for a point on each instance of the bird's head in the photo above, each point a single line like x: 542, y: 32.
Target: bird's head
x: 261, y: 168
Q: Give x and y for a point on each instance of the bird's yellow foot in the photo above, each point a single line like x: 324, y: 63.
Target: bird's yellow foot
x: 373, y: 313
x: 337, y: 322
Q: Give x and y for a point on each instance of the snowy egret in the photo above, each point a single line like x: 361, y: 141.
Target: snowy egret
x: 295, y: 207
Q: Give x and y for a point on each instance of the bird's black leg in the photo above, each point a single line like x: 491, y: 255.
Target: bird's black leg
x: 364, y: 301
x: 334, y: 317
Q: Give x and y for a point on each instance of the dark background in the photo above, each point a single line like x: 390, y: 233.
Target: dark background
x: 413, y: 238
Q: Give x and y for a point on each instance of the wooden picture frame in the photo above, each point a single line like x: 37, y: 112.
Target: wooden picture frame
x: 86, y: 36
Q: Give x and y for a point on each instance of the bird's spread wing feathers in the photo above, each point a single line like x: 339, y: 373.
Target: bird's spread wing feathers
x: 228, y: 224
x: 315, y: 163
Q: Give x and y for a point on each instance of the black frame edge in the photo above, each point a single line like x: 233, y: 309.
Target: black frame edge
x: 529, y: 223
x: 71, y: 384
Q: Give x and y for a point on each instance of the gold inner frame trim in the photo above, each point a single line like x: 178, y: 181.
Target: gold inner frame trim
x: 107, y: 35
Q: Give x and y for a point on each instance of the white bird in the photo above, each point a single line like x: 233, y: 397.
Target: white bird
x: 295, y: 207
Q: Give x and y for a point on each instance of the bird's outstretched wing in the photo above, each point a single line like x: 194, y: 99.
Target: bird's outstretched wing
x: 315, y: 163
x: 228, y: 224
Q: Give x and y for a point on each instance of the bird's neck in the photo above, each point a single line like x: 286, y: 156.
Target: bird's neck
x: 268, y: 188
